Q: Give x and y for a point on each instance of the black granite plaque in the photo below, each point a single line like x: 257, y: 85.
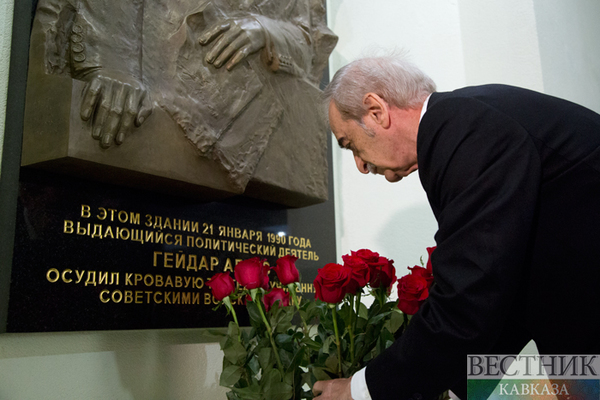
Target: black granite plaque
x: 79, y: 255
x: 91, y: 256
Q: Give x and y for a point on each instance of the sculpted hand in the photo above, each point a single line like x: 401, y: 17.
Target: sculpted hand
x: 234, y: 39
x: 114, y: 103
x: 336, y: 389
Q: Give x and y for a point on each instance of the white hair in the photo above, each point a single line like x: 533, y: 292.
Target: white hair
x: 395, y: 80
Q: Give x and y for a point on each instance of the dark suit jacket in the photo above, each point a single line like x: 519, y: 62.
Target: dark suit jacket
x: 513, y: 178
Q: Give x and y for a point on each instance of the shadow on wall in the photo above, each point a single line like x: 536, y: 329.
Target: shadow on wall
x: 170, y: 365
x: 122, y: 365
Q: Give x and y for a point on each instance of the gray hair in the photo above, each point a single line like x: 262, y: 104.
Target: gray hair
x: 394, y: 79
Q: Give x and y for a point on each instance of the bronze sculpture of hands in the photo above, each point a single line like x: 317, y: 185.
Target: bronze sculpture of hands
x: 234, y: 39
x: 114, y: 102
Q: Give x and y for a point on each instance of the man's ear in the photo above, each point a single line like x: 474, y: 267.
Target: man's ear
x: 377, y: 110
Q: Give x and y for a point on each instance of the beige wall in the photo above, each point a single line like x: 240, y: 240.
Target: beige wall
x: 547, y: 45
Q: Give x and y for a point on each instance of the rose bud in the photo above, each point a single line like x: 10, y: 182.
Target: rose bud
x: 277, y: 294
x: 286, y: 270
x: 412, y: 292
x: 360, y: 272
x: 367, y: 255
x: 331, y: 282
x: 222, y: 285
x: 252, y: 273
x: 423, y: 272
x: 383, y: 273
x: 429, y: 251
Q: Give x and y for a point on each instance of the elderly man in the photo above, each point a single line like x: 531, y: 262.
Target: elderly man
x: 513, y: 178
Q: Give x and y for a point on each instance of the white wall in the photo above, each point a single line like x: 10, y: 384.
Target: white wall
x: 568, y: 33
x: 547, y: 45
x: 544, y: 45
x: 392, y: 219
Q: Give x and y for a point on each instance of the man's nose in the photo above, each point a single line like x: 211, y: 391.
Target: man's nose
x: 361, y: 165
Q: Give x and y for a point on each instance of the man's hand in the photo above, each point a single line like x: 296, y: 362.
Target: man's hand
x: 336, y: 389
x: 235, y: 39
x: 114, y: 103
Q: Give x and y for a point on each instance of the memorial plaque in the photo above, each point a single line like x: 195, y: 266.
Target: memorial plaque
x: 125, y: 236
x: 94, y: 257
x: 208, y: 98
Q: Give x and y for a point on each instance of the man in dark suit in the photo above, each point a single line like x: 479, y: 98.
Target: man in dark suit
x: 513, y: 179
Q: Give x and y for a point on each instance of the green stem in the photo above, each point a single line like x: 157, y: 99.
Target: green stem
x: 227, y: 302
x: 381, y: 295
x: 269, y: 331
x: 353, y: 328
x: 292, y: 290
x: 337, y: 339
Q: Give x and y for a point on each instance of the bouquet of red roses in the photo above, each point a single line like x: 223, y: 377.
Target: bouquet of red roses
x: 292, y: 343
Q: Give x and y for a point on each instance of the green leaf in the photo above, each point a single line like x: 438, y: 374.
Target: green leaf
x: 311, y: 344
x: 297, y: 360
x: 265, y: 357
x: 346, y: 313
x: 274, y: 388
x: 249, y: 393
x: 395, y: 322
x: 321, y: 374
x: 281, y: 320
x: 271, y: 377
x: 363, y: 312
x: 230, y: 375
x: 377, y: 318
x: 285, y: 357
x: 332, y: 363
x: 233, y: 329
x: 374, y: 309
x: 283, y: 340
x: 235, y: 352
x: 279, y: 391
x: 232, y: 396
x: 309, y: 311
x: 254, y: 365
x: 361, y: 324
x: 255, y: 317
x: 329, y: 344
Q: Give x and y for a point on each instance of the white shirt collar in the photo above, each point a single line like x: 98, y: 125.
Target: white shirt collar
x: 424, y: 109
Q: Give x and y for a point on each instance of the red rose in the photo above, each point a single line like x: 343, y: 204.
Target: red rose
x: 360, y: 272
x: 413, y: 289
x: 274, y: 295
x: 222, y: 285
x: 265, y: 282
x: 252, y: 273
x: 383, y: 273
x: 331, y: 282
x: 286, y: 270
x: 429, y: 251
x: 423, y: 272
x: 367, y: 255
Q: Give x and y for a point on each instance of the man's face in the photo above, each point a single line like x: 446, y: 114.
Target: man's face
x: 381, y: 151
